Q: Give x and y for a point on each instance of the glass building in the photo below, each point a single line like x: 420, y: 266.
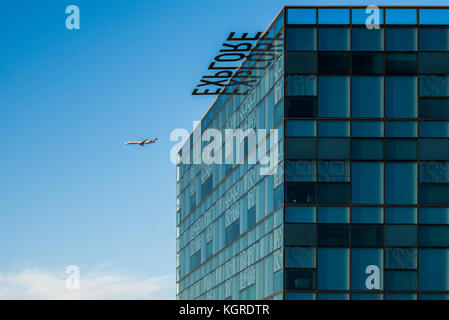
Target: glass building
x: 358, y: 205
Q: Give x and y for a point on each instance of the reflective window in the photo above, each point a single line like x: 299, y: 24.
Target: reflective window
x: 431, y: 129
x: 300, y: 62
x: 400, y: 280
x: 434, y: 149
x: 434, y: 16
x: 299, y: 279
x: 334, y: 63
x: 300, y: 234
x: 334, y: 148
x: 434, y: 193
x: 368, y: 63
x: 333, y: 16
x: 434, y: 108
x: 300, y: 257
x: 432, y: 39
x: 300, y: 128
x: 367, y: 128
x: 367, y: 149
x: 401, y: 149
x: 334, y: 193
x: 300, y: 85
x: 297, y: 148
x: 401, y: 129
x: 335, y: 235
x: 303, y: 39
x: 333, y: 39
x: 401, y: 215
x: 401, y: 16
x: 333, y: 128
x: 367, y: 235
x: 360, y: 260
x: 401, y: 97
x: 367, y: 215
x: 434, y: 62
x: 300, y: 214
x: 300, y: 193
x: 301, y: 16
x: 401, y: 63
x: 433, y: 269
x: 334, y: 96
x: 367, y: 182
x: 333, y: 214
x: 301, y: 107
x: 364, y: 39
x: 401, y: 39
x: 401, y: 183
x: 337, y: 277
x: 401, y: 235
x: 367, y: 97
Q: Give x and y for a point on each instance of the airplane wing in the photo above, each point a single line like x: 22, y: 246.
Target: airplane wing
x: 133, y: 142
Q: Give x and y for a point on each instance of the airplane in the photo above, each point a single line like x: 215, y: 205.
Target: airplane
x: 142, y: 143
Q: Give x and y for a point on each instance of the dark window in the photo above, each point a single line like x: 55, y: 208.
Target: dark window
x: 301, y: 39
x: 401, y: 63
x: 433, y: 39
x: 192, y: 201
x: 195, y: 260
x: 433, y: 193
x: 434, y: 62
x: 300, y: 234
x: 300, y: 107
x: 434, y: 149
x: 206, y: 187
x: 400, y: 235
x: 300, y: 279
x: 334, y: 63
x: 300, y: 62
x: 333, y: 148
x: 278, y: 196
x: 300, y: 148
x: 333, y: 235
x: 251, y: 217
x: 298, y: 193
x: 400, y: 149
x: 434, y: 236
x: 400, y: 280
x: 232, y: 232
x: 367, y: 235
x: 434, y: 108
x: 334, y: 193
x: 367, y: 149
x: 208, y: 249
x: 367, y: 63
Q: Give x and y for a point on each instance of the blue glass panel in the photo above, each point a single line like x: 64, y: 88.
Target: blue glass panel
x: 434, y: 215
x: 367, y: 129
x: 300, y: 214
x: 301, y: 16
x: 300, y: 170
x: 300, y: 257
x: 333, y: 128
x: 433, y: 86
x: 430, y: 129
x: 434, y: 16
x: 433, y: 296
x: 300, y: 85
x: 367, y: 215
x: 398, y: 39
x: 333, y: 214
x: 434, y: 149
x: 366, y: 296
x: 301, y: 38
x: 437, y: 194
x: 333, y: 96
x: 401, y: 183
x: 300, y: 128
x: 400, y: 280
x: 333, y: 39
x: 401, y: 129
x: 401, y: 100
x: 400, y: 296
x: 433, y: 269
x: 337, y: 277
x: 401, y: 258
x: 359, y: 16
x: 367, y: 96
x: 434, y: 236
x: 333, y: 16
x: 333, y: 296
x: 401, y: 16
x: 432, y: 39
x: 367, y: 182
x: 334, y: 171
x: 400, y: 235
x: 401, y: 215
x: 364, y: 39
x: 360, y: 260
x: 334, y: 148
x: 299, y: 296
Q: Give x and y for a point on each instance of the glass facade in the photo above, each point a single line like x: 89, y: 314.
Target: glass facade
x: 359, y: 205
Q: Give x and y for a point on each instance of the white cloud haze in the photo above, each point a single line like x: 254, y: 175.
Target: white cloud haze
x: 35, y: 283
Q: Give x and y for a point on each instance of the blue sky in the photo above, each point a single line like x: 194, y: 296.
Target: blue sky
x: 70, y: 191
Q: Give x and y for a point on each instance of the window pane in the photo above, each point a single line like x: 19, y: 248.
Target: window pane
x: 401, y: 215
x: 400, y: 280
x: 367, y: 97
x: 333, y: 39
x: 400, y: 149
x: 401, y: 16
x: 301, y: 39
x: 300, y: 128
x: 401, y: 129
x: 334, y: 193
x: 333, y: 128
x: 367, y: 128
x: 297, y: 193
x: 333, y: 16
x: 300, y: 234
x: 360, y: 259
x: 434, y: 215
x: 333, y: 148
x: 434, y: 149
x: 359, y: 16
x: 401, y: 258
x: 300, y: 170
x: 300, y: 279
x: 434, y: 86
x: 401, y: 183
x: 434, y: 62
x: 300, y: 257
x: 300, y: 85
x: 333, y: 214
x: 337, y: 277
x: 433, y: 193
x: 372, y: 149
x: 401, y: 63
x: 434, y: 269
x: 300, y: 214
x: 401, y: 39
x: 300, y: 62
x: 367, y: 63
x: 364, y: 39
x: 334, y: 96
x: 296, y: 148
x: 301, y: 107
x: 334, y: 171
x: 301, y: 16
x: 430, y: 129
x: 434, y: 108
x: 401, y: 235
x: 367, y: 182
x: 434, y: 236
x: 367, y: 235
x: 334, y: 63
x: 367, y: 215
x: 432, y: 39
x: 434, y: 16
x: 401, y: 97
